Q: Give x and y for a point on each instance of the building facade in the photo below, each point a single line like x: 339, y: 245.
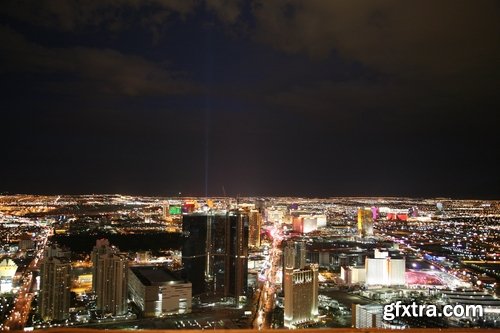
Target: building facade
x: 384, y: 270
x: 215, y: 252
x: 367, y: 316
x: 294, y: 256
x: 353, y: 274
x: 301, y: 295
x: 8, y: 270
x: 55, y: 284
x: 157, y: 291
x: 255, y: 223
x: 365, y: 222
x: 109, y: 278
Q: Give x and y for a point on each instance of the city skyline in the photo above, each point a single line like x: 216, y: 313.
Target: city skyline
x: 123, y: 262
x: 289, y: 98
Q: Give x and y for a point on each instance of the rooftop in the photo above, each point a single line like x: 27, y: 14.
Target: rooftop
x: 154, y: 275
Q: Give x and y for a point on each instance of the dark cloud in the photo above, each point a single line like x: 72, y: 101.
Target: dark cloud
x: 278, y: 97
x: 339, y: 98
x: 102, y: 71
x: 227, y: 10
x: 115, y: 15
x: 442, y: 43
x: 73, y: 15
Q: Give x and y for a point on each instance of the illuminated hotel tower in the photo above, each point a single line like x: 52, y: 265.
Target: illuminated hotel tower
x: 215, y: 252
x: 300, y: 286
x: 109, y: 278
x: 55, y: 286
x: 294, y: 253
x: 365, y: 222
x: 255, y: 222
x: 301, y: 295
x: 384, y: 270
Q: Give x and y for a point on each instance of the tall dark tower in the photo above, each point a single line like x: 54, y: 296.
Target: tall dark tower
x: 215, y: 252
x: 195, y: 228
x: 237, y: 255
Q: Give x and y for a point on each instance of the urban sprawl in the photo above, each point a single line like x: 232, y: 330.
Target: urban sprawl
x: 117, y: 261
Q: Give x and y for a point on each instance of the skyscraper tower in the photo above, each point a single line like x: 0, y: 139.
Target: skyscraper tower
x: 55, y: 286
x: 255, y: 223
x: 109, y: 278
x: 294, y: 254
x: 215, y: 252
x: 300, y: 284
x: 365, y: 222
x: 301, y: 294
x: 294, y: 257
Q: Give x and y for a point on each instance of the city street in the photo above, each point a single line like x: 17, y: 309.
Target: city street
x: 267, y: 295
x: 22, y: 304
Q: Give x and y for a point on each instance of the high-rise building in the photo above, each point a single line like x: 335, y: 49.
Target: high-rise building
x: 215, y: 252
x: 55, y: 283
x: 367, y: 316
x: 365, y: 222
x: 304, y: 223
x: 165, y: 211
x: 109, y: 278
x: 294, y: 254
x: 255, y: 223
x: 301, y: 295
x: 300, y: 284
x: 260, y: 205
x: 54, y: 250
x: 384, y: 270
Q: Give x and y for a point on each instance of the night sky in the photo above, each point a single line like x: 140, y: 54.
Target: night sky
x: 285, y: 98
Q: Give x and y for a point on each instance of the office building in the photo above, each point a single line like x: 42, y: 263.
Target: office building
x: 255, y: 223
x: 301, y: 295
x: 384, y: 270
x: 367, y: 316
x: 109, y: 278
x: 215, y: 253
x: 55, y: 284
x: 157, y: 291
x: 365, y: 222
